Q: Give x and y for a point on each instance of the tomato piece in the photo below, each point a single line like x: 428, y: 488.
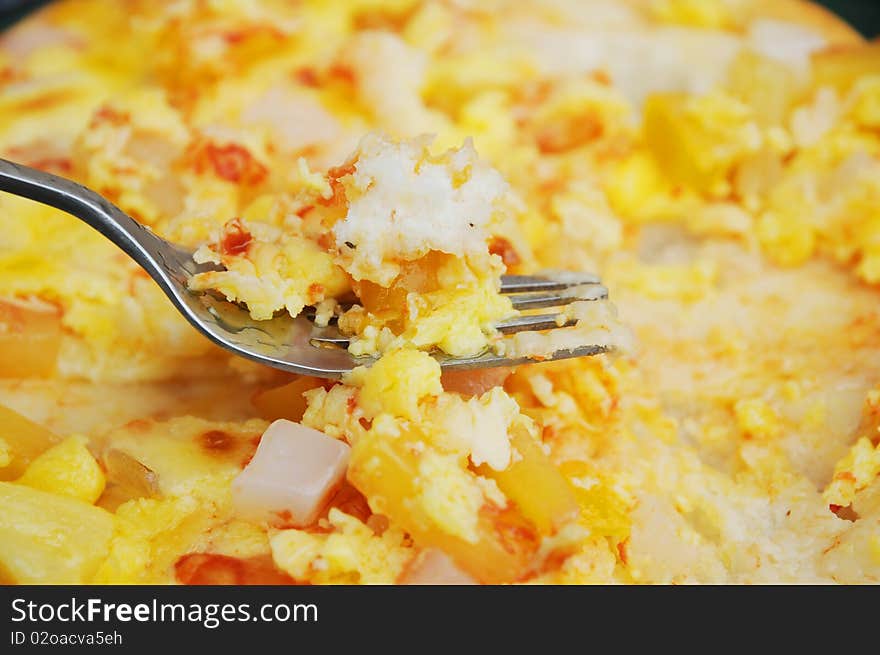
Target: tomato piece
x: 213, y: 569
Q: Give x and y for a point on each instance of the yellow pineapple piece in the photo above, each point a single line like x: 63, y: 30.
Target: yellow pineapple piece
x: 712, y: 14
x: 769, y: 87
x: 697, y: 141
x: 23, y: 441
x: 842, y: 67
x: 30, y: 337
x: 602, y: 509
x: 674, y: 145
x: 387, y: 471
x: 286, y: 401
x: 46, y: 538
x: 66, y: 469
x: 541, y: 492
x: 637, y: 188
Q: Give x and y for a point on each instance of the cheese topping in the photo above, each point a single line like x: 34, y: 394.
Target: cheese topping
x: 404, y: 203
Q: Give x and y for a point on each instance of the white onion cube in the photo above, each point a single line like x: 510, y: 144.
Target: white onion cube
x: 434, y: 567
x: 291, y: 476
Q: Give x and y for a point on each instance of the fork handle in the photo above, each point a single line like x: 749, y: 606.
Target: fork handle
x: 137, y: 241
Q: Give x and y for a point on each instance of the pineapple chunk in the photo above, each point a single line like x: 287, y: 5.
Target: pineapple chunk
x: 676, y: 146
x: 843, y: 67
x: 541, y: 492
x: 698, y: 141
x: 67, y: 469
x: 49, y: 539
x: 637, y: 188
x: 768, y: 86
x: 387, y: 471
x: 30, y: 336
x: 602, y: 510
x: 711, y: 14
x: 24, y: 440
x: 286, y: 401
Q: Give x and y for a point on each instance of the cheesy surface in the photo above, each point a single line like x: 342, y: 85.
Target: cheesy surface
x: 715, y: 162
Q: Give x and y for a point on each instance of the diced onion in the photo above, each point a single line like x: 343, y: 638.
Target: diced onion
x: 127, y: 479
x: 125, y: 470
x: 24, y: 440
x: 434, y: 567
x: 291, y: 476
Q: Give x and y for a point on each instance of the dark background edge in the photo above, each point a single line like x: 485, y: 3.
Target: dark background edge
x: 864, y: 15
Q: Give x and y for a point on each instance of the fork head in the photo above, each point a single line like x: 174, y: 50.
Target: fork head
x: 283, y: 342
x: 292, y: 344
x: 299, y: 346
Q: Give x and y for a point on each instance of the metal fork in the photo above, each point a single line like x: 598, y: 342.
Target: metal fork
x: 295, y: 345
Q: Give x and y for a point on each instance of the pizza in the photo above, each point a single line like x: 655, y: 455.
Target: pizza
x: 380, y: 164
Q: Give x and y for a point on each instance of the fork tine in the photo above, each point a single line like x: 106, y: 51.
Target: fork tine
x: 532, y: 292
x: 331, y: 336
x: 492, y: 359
x: 489, y: 358
x: 534, y: 323
x: 556, y: 299
x: 328, y: 336
x: 524, y: 283
x: 527, y: 292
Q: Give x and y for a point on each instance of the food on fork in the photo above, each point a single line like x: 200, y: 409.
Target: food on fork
x: 410, y: 234
x: 715, y: 162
